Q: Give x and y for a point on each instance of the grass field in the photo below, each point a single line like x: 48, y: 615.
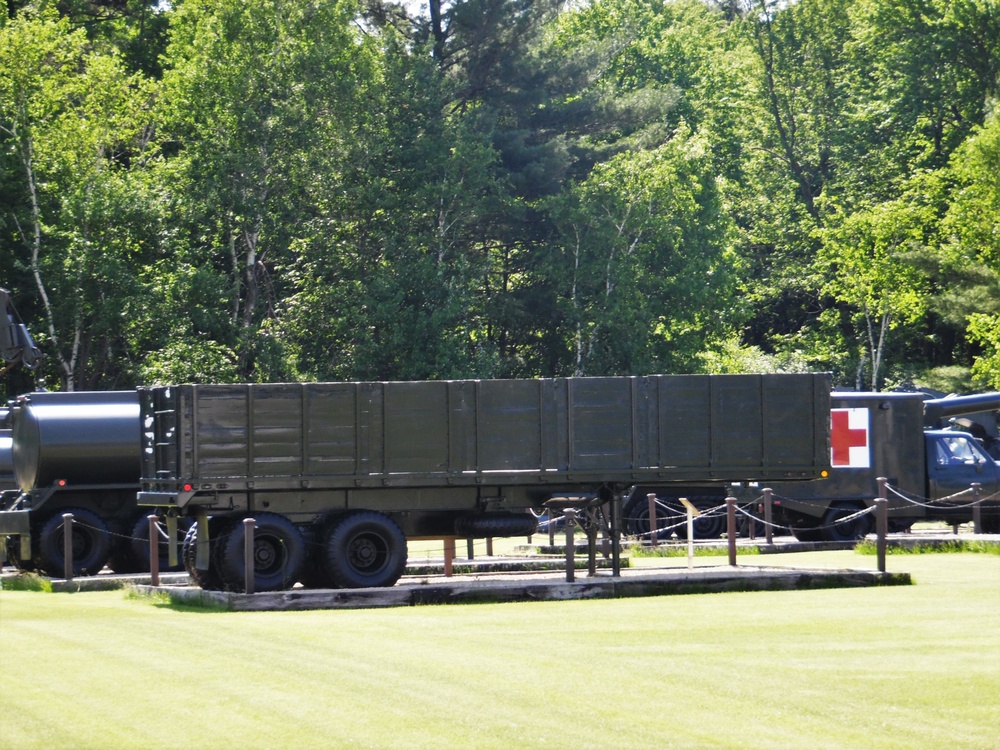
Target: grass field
x: 898, y: 667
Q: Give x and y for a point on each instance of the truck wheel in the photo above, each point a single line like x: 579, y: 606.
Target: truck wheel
x: 91, y: 543
x: 990, y: 524
x: 279, y: 552
x: 850, y: 531
x: 206, y: 579
x: 364, y: 549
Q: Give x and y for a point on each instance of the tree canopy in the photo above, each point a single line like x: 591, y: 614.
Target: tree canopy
x: 214, y: 190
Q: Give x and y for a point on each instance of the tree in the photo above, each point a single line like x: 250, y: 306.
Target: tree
x: 73, y: 121
x: 868, y: 269
x: 261, y: 99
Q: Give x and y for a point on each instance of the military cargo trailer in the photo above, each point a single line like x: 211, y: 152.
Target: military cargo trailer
x: 338, y: 475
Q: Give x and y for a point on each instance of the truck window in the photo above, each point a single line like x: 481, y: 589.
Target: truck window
x: 956, y: 450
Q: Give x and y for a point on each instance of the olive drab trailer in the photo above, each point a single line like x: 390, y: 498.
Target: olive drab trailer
x: 338, y: 475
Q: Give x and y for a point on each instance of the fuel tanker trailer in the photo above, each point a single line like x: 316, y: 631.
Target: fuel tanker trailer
x: 337, y: 476
x: 75, y: 452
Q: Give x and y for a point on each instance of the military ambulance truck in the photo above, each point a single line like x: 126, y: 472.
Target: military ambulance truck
x: 337, y: 476
x: 930, y: 462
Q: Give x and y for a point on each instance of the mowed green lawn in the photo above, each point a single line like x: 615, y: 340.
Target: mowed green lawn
x: 899, y: 667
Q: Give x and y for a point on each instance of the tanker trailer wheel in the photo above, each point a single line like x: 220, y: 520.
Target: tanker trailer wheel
x: 91, y: 543
x: 364, y: 549
x: 849, y: 531
x: 279, y: 553
x: 206, y: 579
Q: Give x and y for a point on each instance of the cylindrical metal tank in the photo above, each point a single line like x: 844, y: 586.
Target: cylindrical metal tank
x: 6, y: 461
x: 86, y: 437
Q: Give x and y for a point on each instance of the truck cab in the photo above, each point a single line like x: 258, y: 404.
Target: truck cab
x: 955, y: 460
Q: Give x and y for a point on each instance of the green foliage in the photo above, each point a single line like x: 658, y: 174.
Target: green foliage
x: 219, y: 190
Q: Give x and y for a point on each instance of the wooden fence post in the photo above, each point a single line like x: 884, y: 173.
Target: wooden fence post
x: 977, y: 511
x: 881, y: 522
x: 731, y: 529
x: 68, y: 546
x: 154, y: 550
x: 570, y: 516
x: 653, y: 525
x: 768, y: 515
x: 248, y: 557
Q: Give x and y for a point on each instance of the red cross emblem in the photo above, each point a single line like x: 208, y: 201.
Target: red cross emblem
x: 849, y: 438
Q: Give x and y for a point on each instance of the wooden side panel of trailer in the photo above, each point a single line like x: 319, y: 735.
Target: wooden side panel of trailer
x: 525, y: 431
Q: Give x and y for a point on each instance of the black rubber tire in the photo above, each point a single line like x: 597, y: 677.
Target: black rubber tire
x: 91, y: 544
x: 496, y: 524
x: 279, y: 554
x: 990, y: 523
x: 138, y: 544
x: 364, y: 549
x: 852, y: 531
x: 206, y: 579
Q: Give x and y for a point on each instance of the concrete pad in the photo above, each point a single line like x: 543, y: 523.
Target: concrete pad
x: 412, y: 591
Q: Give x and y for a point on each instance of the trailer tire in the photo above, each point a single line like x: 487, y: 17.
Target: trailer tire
x: 206, y: 579
x: 91, y: 543
x: 364, y: 549
x: 496, y: 524
x: 990, y: 524
x: 279, y: 553
x: 852, y: 531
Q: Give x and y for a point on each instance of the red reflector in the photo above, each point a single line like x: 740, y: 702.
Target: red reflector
x: 61, y: 482
x: 188, y: 487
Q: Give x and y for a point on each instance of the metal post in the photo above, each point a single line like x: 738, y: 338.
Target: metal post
x: 552, y: 527
x: 616, y: 536
x: 977, y: 511
x: 68, y: 546
x: 690, y: 534
x: 471, y: 548
x: 881, y: 521
x: 449, y: 555
x: 881, y: 529
x: 653, y: 525
x: 731, y: 528
x: 248, y: 557
x: 768, y: 515
x: 154, y: 550
x: 489, y: 546
x: 591, y: 529
x: 172, y: 557
x: 570, y: 516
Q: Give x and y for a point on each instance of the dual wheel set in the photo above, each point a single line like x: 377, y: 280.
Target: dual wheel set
x: 355, y: 550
